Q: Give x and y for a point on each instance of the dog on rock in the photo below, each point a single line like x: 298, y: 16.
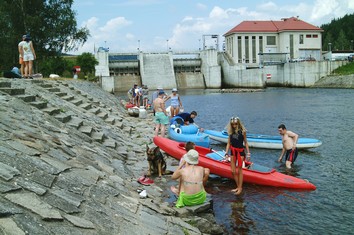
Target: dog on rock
x: 157, y: 163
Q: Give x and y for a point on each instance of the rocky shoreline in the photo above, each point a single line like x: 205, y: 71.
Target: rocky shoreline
x: 70, y: 159
x: 336, y: 81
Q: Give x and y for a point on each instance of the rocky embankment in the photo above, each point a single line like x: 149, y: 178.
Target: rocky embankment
x: 342, y: 81
x: 70, y: 159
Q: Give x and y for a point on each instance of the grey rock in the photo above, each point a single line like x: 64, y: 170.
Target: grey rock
x: 79, y: 222
x: 7, y: 172
x: 31, y: 202
x: 31, y: 186
x: 23, y: 148
x: 8, y: 226
x: 7, y: 187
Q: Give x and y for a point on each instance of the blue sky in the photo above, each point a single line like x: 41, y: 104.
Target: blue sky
x: 155, y: 25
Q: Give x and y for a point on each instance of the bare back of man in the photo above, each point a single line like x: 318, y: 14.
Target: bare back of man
x: 159, y: 104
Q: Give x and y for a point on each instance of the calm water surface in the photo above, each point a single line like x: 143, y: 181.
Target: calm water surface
x: 325, y: 114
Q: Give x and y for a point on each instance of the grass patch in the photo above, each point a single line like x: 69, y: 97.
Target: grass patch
x: 345, y: 69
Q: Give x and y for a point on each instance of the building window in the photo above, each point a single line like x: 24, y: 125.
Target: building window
x: 314, y: 35
x: 301, y: 39
x: 247, y: 49
x: 308, y: 35
x: 260, y: 44
x: 239, y: 49
x: 291, y: 39
x: 254, y: 49
x: 271, y: 41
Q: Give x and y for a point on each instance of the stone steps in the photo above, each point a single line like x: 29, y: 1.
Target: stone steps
x: 39, y: 104
x: 51, y: 111
x: 13, y: 91
x: 27, y: 98
x: 62, y: 117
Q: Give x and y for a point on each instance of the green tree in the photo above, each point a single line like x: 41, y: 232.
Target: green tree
x: 87, y: 63
x: 51, y: 24
x: 341, y: 42
x: 57, y: 65
x: 339, y: 32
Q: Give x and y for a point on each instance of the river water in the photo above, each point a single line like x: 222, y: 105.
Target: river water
x: 325, y: 114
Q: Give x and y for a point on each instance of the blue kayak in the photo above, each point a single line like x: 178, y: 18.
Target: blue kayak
x: 180, y: 132
x: 264, y: 141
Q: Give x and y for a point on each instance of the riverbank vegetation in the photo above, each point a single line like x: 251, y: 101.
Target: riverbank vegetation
x: 339, y: 32
x: 345, y: 69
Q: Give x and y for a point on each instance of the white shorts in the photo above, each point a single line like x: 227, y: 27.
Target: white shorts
x: 28, y: 57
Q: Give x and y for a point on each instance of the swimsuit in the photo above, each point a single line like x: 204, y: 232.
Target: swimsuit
x: 191, y: 199
x: 174, y: 101
x: 236, y: 147
x: 291, y: 155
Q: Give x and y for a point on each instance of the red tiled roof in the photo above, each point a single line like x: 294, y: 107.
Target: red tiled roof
x: 288, y: 24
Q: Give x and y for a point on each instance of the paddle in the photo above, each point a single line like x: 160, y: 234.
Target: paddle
x: 211, y: 149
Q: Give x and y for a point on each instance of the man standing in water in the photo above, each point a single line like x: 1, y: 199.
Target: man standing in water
x: 289, y: 140
x: 161, y: 118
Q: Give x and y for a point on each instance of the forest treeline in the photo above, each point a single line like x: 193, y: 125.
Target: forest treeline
x: 339, y: 33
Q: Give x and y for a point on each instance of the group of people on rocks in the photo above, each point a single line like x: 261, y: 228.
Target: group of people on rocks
x: 139, y: 95
x: 192, y: 177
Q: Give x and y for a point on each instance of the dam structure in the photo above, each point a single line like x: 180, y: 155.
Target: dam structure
x: 203, y: 69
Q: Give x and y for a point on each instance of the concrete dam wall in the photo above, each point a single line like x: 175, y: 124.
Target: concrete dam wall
x: 209, y: 69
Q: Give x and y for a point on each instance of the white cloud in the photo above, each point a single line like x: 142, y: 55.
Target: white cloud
x: 218, y: 13
x: 323, y: 8
x: 268, y: 6
x: 201, y: 6
x: 114, y: 25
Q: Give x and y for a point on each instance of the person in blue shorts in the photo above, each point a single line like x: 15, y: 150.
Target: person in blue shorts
x: 161, y: 118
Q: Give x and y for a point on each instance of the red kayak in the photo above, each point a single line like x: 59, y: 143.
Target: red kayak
x: 253, y: 174
x: 129, y: 105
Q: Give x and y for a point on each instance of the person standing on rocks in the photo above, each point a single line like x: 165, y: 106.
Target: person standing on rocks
x: 161, y: 118
x: 28, y: 54
x: 154, y: 95
x: 20, y: 55
x: 176, y: 102
x: 192, y: 179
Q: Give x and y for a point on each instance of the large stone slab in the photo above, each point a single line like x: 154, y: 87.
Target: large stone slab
x: 9, y: 227
x: 31, y: 186
x: 8, y: 187
x: 79, y: 222
x: 32, y: 202
x: 7, y: 172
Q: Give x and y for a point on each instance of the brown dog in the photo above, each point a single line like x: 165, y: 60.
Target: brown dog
x: 156, y: 161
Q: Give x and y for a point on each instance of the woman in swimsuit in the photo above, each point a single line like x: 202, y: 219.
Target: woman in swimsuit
x: 237, y: 141
x: 175, y: 102
x: 192, y: 179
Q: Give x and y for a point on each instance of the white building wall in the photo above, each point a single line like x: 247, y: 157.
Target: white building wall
x: 310, y: 46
